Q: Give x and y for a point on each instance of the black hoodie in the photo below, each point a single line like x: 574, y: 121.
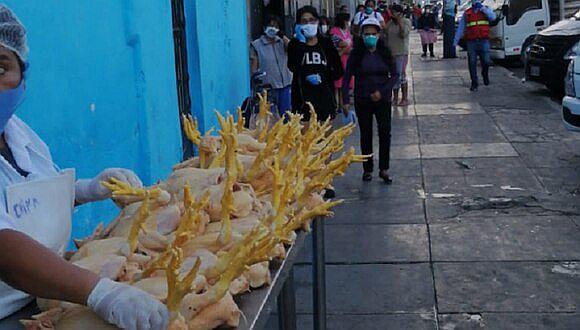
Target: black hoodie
x: 305, y: 60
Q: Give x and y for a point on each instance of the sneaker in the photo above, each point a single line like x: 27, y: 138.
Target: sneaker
x: 367, y: 176
x: 424, y: 55
x: 432, y: 55
x: 486, y: 81
x: 329, y: 193
x: 473, y: 88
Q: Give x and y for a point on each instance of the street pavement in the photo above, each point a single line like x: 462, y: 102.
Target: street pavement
x: 481, y: 226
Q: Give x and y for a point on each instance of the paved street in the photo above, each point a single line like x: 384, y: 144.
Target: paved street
x: 481, y: 227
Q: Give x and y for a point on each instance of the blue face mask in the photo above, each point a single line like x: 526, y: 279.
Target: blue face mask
x: 9, y: 101
x: 371, y: 41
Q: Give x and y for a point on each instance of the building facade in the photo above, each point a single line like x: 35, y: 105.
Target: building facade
x: 102, y: 86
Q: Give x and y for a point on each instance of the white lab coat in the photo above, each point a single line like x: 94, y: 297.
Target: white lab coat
x: 33, y: 156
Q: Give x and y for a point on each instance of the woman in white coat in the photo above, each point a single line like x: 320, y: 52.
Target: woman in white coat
x: 36, y: 201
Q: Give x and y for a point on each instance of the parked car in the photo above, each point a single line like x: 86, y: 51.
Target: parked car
x: 571, y: 102
x: 551, y: 51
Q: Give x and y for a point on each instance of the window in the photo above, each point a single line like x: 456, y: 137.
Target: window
x: 519, y: 7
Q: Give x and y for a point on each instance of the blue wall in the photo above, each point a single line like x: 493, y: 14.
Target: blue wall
x: 217, y: 44
x: 101, y: 88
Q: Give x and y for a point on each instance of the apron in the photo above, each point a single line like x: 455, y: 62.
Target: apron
x: 42, y: 209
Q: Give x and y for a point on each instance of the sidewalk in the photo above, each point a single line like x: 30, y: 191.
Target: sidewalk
x: 481, y: 227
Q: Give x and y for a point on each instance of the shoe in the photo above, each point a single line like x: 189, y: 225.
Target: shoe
x: 329, y: 193
x: 367, y: 176
x: 424, y: 55
x: 486, y: 81
x: 432, y: 55
x: 385, y: 176
x: 473, y: 88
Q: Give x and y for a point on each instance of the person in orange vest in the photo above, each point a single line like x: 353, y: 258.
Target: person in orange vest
x: 474, y: 28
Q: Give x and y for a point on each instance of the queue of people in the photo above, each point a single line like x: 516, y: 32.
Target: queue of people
x: 366, y: 56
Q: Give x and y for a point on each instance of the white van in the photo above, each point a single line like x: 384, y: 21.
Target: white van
x: 519, y: 21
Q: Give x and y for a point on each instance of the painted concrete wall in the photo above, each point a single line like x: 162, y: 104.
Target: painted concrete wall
x: 218, y: 57
x: 101, y: 88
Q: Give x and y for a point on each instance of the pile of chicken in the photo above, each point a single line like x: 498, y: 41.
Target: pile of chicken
x: 210, y: 230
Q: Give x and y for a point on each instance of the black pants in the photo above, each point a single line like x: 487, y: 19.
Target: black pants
x: 430, y: 49
x: 448, y: 36
x: 365, y: 111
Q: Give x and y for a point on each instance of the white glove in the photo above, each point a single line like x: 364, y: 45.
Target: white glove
x: 91, y: 190
x: 127, y: 307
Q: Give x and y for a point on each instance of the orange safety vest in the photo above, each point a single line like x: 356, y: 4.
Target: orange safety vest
x: 477, y: 25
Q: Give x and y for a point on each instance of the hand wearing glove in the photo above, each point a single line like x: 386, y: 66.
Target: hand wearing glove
x: 299, y: 34
x: 127, y: 307
x: 314, y: 79
x: 348, y: 117
x: 90, y: 190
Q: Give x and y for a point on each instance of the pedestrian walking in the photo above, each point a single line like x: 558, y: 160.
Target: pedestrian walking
x: 371, y: 65
x: 427, y: 25
x: 370, y: 11
x: 269, y: 54
x: 397, y: 39
x: 316, y: 65
x: 474, y: 28
x: 342, y: 39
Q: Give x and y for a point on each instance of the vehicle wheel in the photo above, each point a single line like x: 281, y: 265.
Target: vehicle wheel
x: 555, y: 88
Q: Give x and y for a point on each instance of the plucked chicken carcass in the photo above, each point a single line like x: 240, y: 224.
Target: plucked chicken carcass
x: 209, y: 231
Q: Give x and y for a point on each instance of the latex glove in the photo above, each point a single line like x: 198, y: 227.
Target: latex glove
x: 127, y: 307
x: 299, y: 34
x: 90, y: 190
x: 314, y: 79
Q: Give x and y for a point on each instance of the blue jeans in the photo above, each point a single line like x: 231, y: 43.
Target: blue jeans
x: 479, y: 48
x: 281, y: 100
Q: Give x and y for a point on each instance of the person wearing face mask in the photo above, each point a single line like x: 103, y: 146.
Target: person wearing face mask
x: 315, y: 64
x: 32, y: 242
x: 371, y: 65
x: 325, y: 26
x: 397, y: 35
x: 474, y: 28
x: 269, y: 54
x: 343, y: 42
x: 370, y: 11
x: 426, y: 25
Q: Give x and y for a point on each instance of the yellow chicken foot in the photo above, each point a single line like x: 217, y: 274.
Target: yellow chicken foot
x: 177, y: 288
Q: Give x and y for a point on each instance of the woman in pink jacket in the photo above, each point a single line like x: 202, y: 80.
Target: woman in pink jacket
x: 343, y: 42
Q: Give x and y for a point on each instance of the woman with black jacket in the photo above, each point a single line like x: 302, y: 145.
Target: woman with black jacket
x: 427, y: 24
x: 315, y: 64
x: 371, y: 65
